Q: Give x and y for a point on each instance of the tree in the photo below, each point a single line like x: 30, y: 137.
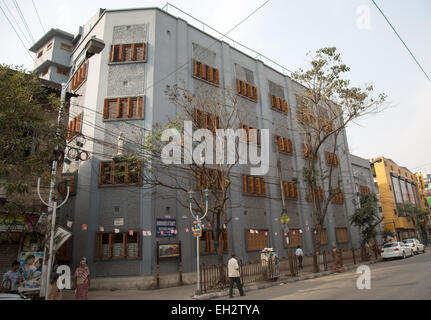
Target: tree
x: 327, y: 103
x: 417, y: 216
x: 366, y: 218
x: 205, y: 108
x: 387, y: 234
x: 27, y: 140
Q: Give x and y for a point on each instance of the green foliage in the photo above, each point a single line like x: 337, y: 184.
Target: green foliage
x: 366, y: 217
x: 386, y: 234
x: 27, y: 129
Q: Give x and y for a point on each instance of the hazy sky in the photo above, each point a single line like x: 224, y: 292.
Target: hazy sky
x: 285, y: 30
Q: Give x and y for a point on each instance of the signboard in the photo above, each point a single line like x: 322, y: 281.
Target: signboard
x: 166, y: 227
x: 31, y: 270
x: 197, y: 229
x: 169, y: 250
x: 118, y: 222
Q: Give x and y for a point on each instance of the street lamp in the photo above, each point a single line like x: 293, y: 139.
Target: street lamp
x: 197, y: 223
x: 93, y: 46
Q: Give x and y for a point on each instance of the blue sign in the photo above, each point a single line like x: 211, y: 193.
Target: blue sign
x: 166, y: 227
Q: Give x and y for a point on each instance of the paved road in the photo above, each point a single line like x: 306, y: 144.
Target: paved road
x: 407, y: 279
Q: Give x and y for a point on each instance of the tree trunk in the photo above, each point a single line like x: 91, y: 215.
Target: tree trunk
x: 316, y: 256
x: 219, y: 250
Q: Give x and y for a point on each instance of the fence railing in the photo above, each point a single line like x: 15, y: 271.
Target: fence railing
x: 215, y: 277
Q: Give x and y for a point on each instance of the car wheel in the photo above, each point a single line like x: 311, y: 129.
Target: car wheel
x: 404, y: 255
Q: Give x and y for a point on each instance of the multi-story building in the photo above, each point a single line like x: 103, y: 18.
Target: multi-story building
x: 122, y: 93
x: 364, y: 184
x: 397, y: 187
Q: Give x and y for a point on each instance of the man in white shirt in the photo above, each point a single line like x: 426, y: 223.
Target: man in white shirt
x: 299, y: 254
x: 12, y: 278
x: 234, y: 276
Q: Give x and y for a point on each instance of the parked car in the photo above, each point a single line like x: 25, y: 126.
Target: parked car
x: 396, y: 250
x: 415, y: 245
x: 12, y: 296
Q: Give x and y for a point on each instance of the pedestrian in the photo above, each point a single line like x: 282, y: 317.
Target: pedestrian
x: 11, y: 279
x: 54, y: 292
x: 299, y: 254
x: 82, y: 280
x: 234, y: 275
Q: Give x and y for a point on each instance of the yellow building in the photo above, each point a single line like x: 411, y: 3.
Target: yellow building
x: 397, y: 187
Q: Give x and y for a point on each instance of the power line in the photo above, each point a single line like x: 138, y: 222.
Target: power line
x: 16, y: 23
x: 17, y: 34
x: 399, y: 37
x: 37, y: 13
x: 23, y: 19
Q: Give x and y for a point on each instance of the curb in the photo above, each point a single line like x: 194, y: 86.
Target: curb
x: 225, y: 293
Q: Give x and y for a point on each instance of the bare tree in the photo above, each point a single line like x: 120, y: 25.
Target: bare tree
x: 327, y: 103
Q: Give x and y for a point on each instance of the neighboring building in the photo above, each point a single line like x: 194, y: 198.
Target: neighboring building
x: 364, y: 184
x: 397, y: 186
x: 147, y: 49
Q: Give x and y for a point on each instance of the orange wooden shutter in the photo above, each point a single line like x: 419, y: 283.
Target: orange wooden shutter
x: 106, y: 109
x: 277, y: 103
x: 118, y: 110
x: 133, y: 55
x: 129, y: 107
x: 78, y: 123
x: 210, y: 74
x: 280, y: 144
x: 250, y: 184
x: 216, y: 76
x: 101, y: 172
x: 263, y: 186
x: 286, y: 189
x: 202, y: 73
x: 196, y: 117
x: 121, y: 53
x: 285, y: 106
x: 295, y: 188
x: 257, y: 185
x: 195, y: 68
x: 244, y: 184
x: 243, y: 88
x: 144, y: 51
x: 212, y: 123
x: 112, y: 53
x: 249, y: 90
x: 238, y: 85
x: 140, y: 104
x: 272, y: 100
x: 255, y: 93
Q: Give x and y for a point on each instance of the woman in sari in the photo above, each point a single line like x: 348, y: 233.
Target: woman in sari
x: 82, y: 280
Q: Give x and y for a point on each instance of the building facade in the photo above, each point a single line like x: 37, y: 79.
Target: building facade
x: 397, y: 187
x: 116, y: 223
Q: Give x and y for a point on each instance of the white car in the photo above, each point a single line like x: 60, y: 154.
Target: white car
x: 396, y: 250
x: 415, y: 245
x: 12, y: 296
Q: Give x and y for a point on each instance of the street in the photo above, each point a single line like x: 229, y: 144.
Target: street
x: 408, y: 279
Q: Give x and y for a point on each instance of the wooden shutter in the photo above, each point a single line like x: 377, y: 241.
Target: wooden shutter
x: 210, y: 74
x: 263, y: 186
x: 286, y: 189
x: 112, y: 53
x: 129, y: 107
x: 133, y: 54
x: 243, y: 88
x: 118, y: 111
x: 284, y: 106
x: 212, y: 123
x: 196, y: 117
x: 78, y: 123
x: 280, y: 144
x: 250, y: 184
x: 202, y: 71
x: 140, y: 105
x: 255, y: 93
x: 195, y: 68
x: 295, y: 189
x: 286, y: 144
x: 257, y: 185
x: 244, y: 184
x: 277, y: 103
x: 101, y: 173
x: 238, y: 85
x: 121, y: 53
x: 216, y: 76
x: 106, y: 109
x: 249, y: 90
x: 272, y: 98
x: 144, y: 51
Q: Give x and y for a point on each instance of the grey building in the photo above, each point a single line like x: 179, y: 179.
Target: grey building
x: 146, y: 50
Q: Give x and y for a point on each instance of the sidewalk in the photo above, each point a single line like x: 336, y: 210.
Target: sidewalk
x: 188, y: 292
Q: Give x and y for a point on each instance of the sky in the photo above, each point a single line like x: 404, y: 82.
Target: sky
x: 284, y: 31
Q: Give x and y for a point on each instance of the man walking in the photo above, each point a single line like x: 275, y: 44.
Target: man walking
x: 234, y: 276
x: 299, y: 254
x: 12, y: 278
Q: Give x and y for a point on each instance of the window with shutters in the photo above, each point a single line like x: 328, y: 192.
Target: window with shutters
x: 123, y: 108
x: 257, y: 239
x: 205, y: 120
x: 206, y: 72
x: 75, y: 126
x: 331, y: 158
x: 306, y: 151
x: 130, y: 52
x: 290, y: 190
x: 209, y: 179
x: 364, y: 190
x: 320, y: 194
x: 279, y: 104
x: 62, y: 187
x: 80, y: 76
x: 118, y: 245
x: 284, y: 144
x: 119, y: 173
x: 246, y: 90
x: 323, y: 237
x: 66, y: 47
x: 342, y: 235
x: 206, y: 241
x: 253, y: 138
x: 63, y: 71
x: 338, y: 198
x: 294, y: 238
x: 254, y: 185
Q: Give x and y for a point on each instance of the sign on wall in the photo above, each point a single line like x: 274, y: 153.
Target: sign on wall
x: 166, y: 227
